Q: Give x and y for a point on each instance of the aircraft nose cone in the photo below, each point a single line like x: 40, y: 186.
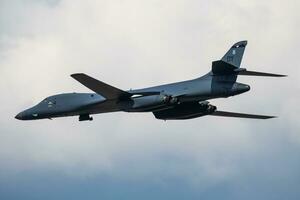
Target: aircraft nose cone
x: 243, y: 88
x: 19, y: 116
x: 247, y: 88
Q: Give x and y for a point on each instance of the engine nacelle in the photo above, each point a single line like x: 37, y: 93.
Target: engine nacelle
x: 146, y: 103
x: 185, y: 111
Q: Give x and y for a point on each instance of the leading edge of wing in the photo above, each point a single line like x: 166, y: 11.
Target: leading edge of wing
x: 105, y: 90
x: 108, y: 91
x: 240, y: 115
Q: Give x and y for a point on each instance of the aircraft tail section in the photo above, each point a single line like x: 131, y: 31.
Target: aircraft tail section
x: 230, y: 64
x: 235, y: 54
x: 231, y: 61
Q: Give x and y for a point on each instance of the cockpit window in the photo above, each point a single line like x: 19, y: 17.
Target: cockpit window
x: 51, y: 103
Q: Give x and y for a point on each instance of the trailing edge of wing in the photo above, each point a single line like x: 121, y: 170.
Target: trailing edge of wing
x: 254, y: 73
x: 108, y: 91
x: 240, y: 115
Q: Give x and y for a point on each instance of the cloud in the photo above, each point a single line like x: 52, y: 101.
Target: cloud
x: 134, y: 44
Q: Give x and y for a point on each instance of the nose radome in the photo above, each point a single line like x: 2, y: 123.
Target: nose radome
x: 247, y: 87
x: 19, y: 116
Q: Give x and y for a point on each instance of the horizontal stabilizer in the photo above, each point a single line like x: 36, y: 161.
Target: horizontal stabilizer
x: 240, y: 115
x: 105, y: 90
x: 253, y: 73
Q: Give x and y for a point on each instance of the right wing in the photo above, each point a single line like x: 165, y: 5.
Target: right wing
x: 240, y: 115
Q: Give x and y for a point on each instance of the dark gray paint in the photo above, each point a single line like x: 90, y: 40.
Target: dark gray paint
x: 181, y: 100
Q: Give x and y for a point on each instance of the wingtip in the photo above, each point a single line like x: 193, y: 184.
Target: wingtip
x: 76, y: 74
x: 272, y: 117
x: 280, y: 75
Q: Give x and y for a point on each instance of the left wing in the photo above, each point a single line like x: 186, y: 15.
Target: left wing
x: 108, y: 91
x: 240, y: 115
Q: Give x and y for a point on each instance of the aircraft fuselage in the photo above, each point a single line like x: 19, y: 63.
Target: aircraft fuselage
x: 181, y: 100
x: 170, y: 95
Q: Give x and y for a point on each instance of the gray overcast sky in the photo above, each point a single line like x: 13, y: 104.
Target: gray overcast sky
x: 134, y: 44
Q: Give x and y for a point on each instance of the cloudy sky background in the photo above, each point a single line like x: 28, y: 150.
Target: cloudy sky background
x: 134, y: 44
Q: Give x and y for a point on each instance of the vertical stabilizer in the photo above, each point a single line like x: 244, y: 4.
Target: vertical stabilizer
x: 235, y: 54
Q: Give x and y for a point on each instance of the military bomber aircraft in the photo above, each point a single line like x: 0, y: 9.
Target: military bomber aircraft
x: 175, y: 101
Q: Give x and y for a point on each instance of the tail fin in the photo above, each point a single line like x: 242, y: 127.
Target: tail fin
x: 230, y: 63
x: 235, y: 54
